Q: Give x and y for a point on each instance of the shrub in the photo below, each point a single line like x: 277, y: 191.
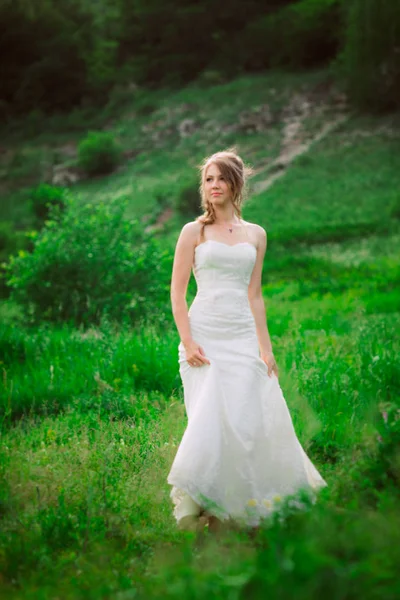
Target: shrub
x: 11, y: 241
x: 99, y: 153
x: 88, y: 262
x: 44, y: 195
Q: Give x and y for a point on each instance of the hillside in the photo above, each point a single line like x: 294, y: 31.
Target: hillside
x: 91, y: 418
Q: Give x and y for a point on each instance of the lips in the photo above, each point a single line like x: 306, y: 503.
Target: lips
x: 216, y: 194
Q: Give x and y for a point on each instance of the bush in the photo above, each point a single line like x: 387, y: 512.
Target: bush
x: 43, y: 196
x: 11, y: 241
x: 92, y: 261
x: 99, y: 153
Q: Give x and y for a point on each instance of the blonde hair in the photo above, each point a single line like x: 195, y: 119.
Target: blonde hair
x: 235, y: 172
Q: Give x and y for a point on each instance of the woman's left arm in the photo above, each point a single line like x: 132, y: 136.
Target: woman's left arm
x: 257, y: 305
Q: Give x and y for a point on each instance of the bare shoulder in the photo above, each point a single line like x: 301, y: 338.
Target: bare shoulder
x: 190, y: 232
x: 257, y: 233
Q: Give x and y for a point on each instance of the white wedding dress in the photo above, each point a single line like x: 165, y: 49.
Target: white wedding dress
x: 239, y: 455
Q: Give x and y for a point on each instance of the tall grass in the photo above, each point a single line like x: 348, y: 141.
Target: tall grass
x: 85, y: 506
x: 47, y: 369
x: 91, y: 419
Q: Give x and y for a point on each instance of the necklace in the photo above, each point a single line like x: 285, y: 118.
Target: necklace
x: 230, y: 229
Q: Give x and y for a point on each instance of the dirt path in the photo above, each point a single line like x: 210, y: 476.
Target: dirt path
x: 290, y: 151
x: 300, y: 133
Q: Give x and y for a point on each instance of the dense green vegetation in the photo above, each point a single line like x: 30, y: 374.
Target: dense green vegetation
x: 110, y: 107
x: 92, y: 414
x: 67, y: 53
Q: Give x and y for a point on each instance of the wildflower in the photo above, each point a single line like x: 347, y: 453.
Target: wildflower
x: 252, y: 502
x: 116, y: 383
x: 277, y: 498
x: 51, y: 435
x: 267, y: 503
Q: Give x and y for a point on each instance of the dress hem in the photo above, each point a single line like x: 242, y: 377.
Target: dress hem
x: 252, y: 515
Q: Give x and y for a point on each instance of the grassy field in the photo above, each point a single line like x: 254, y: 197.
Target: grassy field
x: 91, y: 419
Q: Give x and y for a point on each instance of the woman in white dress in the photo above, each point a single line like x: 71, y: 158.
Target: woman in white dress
x: 239, y: 456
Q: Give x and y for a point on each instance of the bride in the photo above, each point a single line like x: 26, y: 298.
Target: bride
x: 239, y: 456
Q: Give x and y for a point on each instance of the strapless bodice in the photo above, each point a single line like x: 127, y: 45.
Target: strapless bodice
x: 222, y: 266
x: 222, y: 274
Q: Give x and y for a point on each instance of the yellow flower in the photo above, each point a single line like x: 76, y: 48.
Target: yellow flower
x: 51, y: 435
x: 277, y: 498
x: 267, y: 503
x: 116, y: 383
x: 252, y: 502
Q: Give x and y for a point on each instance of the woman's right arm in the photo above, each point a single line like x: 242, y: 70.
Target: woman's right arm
x: 182, y: 266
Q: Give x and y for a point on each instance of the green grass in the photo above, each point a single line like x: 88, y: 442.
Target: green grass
x: 162, y: 165
x: 344, y: 181
x: 85, y: 504
x: 91, y: 420
x: 46, y: 369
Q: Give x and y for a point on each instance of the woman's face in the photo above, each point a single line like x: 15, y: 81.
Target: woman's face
x: 217, y: 189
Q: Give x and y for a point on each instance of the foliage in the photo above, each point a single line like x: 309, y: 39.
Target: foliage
x: 11, y: 241
x: 99, y: 153
x: 84, y: 501
x: 384, y: 469
x: 90, y: 261
x: 100, y: 503
x: 161, y: 49
x: 45, y: 65
x: 370, y: 59
x: 43, y: 196
x: 303, y: 34
x: 68, y: 53
x: 99, y: 368
x: 90, y: 47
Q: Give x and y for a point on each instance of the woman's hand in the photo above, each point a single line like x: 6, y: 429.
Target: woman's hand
x: 269, y: 359
x: 195, y: 354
